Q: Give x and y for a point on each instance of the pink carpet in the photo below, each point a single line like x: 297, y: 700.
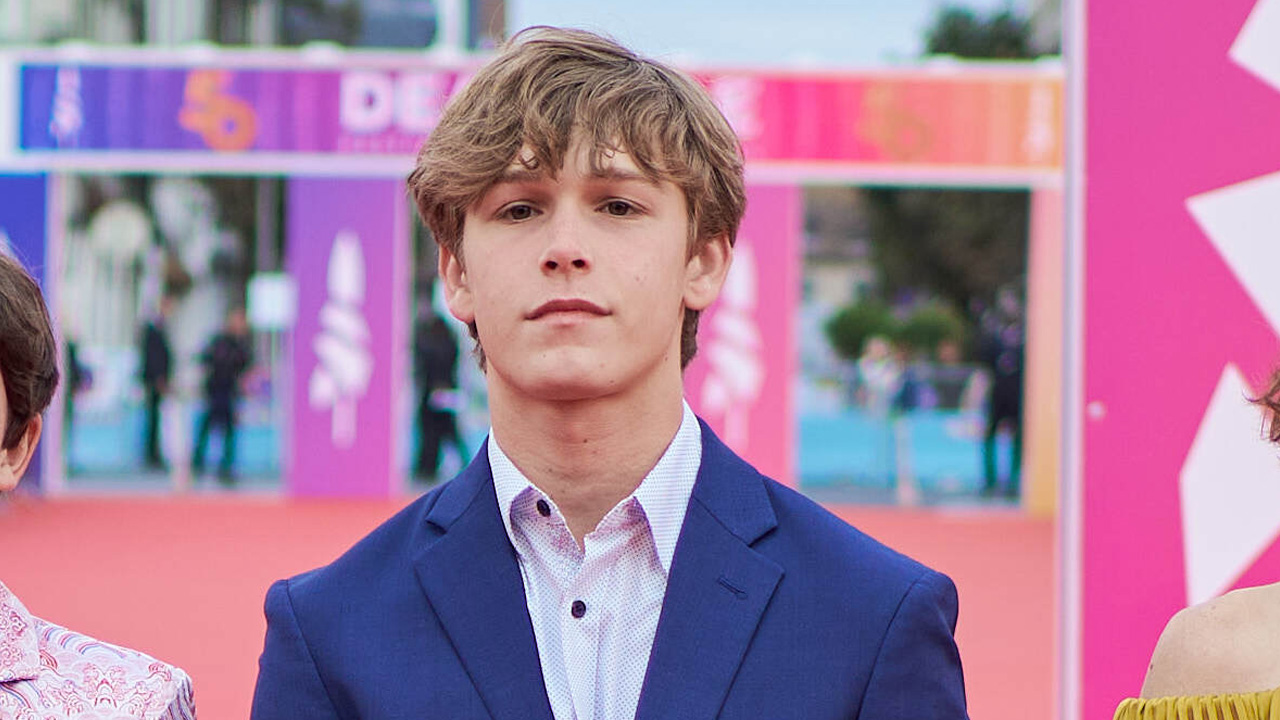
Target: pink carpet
x: 183, y: 579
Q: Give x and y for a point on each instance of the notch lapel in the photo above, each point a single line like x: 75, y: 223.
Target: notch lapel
x: 717, y: 592
x: 471, y: 578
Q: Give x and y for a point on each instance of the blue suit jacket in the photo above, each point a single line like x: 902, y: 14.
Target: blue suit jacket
x: 774, y: 609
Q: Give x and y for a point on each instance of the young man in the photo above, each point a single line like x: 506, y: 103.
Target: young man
x: 604, y: 556
x: 46, y: 671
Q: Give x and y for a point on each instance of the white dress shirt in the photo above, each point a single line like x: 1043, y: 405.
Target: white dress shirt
x: 595, y: 610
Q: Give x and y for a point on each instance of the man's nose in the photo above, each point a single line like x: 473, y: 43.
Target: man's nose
x: 567, y: 243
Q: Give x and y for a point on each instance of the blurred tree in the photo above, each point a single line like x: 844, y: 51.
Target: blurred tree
x: 957, y: 245
x: 960, y: 31
x: 850, y: 327
x: 929, y: 325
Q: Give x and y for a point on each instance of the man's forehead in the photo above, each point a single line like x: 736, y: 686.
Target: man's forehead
x: 598, y: 162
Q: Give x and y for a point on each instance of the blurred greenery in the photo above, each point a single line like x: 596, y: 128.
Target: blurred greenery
x: 849, y: 327
x: 929, y: 325
x: 921, y: 331
x: 960, y: 246
x: 959, y: 31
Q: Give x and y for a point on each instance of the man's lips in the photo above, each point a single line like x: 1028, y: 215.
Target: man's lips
x: 566, y: 305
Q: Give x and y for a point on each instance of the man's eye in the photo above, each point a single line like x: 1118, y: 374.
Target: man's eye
x: 518, y: 212
x: 618, y: 207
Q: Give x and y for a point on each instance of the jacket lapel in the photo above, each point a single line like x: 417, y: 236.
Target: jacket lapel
x: 472, y: 580
x: 716, y: 593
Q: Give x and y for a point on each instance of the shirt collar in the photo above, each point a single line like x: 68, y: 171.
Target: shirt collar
x: 663, y: 494
x: 19, y: 642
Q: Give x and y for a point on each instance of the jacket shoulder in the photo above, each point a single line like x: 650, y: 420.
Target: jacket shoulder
x: 832, y: 545
x: 387, y: 552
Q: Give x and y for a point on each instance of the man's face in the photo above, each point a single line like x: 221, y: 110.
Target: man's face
x: 578, y: 282
x: 237, y: 323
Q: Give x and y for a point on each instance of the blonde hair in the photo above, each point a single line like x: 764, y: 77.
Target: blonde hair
x: 550, y: 87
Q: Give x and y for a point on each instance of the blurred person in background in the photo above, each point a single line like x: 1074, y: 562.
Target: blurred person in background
x: 1003, y: 350
x: 157, y: 375
x: 79, y: 379
x: 436, y: 372
x: 586, y: 201
x: 1219, y: 659
x: 879, y: 376
x: 879, y: 380
x: 48, y: 672
x: 226, y: 359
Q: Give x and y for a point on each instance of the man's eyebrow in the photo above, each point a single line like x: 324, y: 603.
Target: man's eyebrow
x: 616, y: 173
x: 519, y: 174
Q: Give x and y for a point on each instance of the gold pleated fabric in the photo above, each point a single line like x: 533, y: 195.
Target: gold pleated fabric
x: 1247, y: 706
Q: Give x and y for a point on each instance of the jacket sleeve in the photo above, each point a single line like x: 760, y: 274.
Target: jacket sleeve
x: 289, y: 685
x: 917, y: 673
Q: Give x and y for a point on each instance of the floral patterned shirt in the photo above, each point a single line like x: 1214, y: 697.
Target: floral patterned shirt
x: 50, y: 673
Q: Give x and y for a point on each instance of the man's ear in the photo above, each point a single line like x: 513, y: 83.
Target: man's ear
x: 14, y: 460
x: 705, y: 272
x: 457, y: 290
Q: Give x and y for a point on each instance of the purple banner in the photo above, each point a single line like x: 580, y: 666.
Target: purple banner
x: 22, y: 235
x: 347, y: 240
x: 87, y: 107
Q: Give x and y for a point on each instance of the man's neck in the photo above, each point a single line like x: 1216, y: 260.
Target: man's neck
x: 587, y: 455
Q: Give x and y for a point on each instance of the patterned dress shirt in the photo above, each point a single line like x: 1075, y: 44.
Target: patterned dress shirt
x: 595, y: 609
x: 50, y: 673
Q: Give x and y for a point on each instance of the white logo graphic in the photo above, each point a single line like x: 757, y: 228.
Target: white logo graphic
x: 1039, y: 140
x: 736, y: 374
x: 1257, y: 47
x: 68, y: 107
x: 1241, y: 222
x: 341, y: 378
x: 1230, y: 487
x: 372, y: 101
x: 1230, y: 483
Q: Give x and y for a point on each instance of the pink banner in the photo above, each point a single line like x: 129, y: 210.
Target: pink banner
x: 740, y: 382
x: 1182, y: 308
x: 959, y: 121
x: 347, y: 242
x: 1005, y: 120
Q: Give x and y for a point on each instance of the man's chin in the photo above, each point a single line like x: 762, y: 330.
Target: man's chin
x: 567, y: 388
x: 564, y: 378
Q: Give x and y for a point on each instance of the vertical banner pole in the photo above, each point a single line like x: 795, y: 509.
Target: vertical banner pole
x: 1043, y: 404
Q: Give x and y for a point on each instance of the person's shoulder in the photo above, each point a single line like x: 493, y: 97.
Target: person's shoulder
x: 387, y: 552
x: 81, y: 665
x: 1225, y: 645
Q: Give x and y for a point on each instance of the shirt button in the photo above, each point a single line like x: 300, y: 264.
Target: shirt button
x: 543, y: 508
x: 578, y: 608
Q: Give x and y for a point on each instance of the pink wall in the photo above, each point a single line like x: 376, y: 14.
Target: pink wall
x: 740, y: 382
x: 1169, y: 117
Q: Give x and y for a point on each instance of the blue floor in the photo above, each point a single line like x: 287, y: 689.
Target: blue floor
x: 850, y: 448
x: 845, y: 449
x: 112, y: 445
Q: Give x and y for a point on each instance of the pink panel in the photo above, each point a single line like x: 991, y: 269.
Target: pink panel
x: 1169, y: 116
x: 741, y: 380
